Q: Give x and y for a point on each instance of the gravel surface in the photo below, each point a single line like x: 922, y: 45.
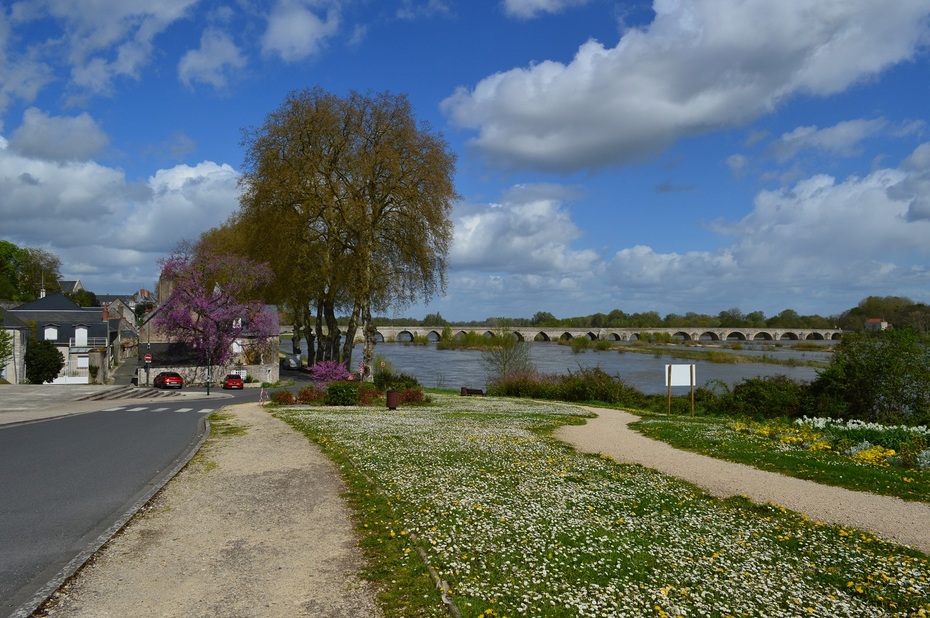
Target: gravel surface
x: 254, y: 526
x: 905, y: 523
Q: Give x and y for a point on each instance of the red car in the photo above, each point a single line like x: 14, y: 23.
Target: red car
x: 168, y: 379
x: 232, y: 381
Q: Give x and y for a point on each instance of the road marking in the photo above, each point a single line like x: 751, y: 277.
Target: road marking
x: 140, y: 409
x: 184, y: 409
x: 159, y: 409
x: 116, y: 409
x: 205, y: 410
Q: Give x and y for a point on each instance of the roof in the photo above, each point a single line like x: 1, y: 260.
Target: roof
x: 52, y: 302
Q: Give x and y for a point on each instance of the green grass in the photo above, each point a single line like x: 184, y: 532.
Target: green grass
x: 519, y: 524
x: 717, y: 356
x: 775, y: 446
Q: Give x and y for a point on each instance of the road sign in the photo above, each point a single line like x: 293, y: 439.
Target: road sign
x: 148, y: 358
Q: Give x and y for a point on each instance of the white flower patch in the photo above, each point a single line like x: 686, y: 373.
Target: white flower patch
x: 522, y: 525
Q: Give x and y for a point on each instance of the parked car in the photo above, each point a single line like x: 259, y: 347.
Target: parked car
x: 232, y: 381
x: 168, y: 379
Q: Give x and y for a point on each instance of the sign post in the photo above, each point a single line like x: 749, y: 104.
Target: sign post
x: 679, y: 375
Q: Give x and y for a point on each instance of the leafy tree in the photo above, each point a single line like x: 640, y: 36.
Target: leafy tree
x: 6, y: 345
x: 356, y: 199
x: 43, y: 361
x: 210, y: 304
x: 434, y: 319
x: 24, y: 272
x: 878, y: 377
x: 84, y: 298
x: 543, y: 318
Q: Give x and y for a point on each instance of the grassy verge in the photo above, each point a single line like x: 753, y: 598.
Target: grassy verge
x: 719, y: 356
x: 519, y: 524
x: 780, y: 446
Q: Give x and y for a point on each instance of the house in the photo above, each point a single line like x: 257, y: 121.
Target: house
x: 169, y: 355
x: 876, y: 325
x: 71, y: 287
x: 14, y: 370
x: 86, y: 336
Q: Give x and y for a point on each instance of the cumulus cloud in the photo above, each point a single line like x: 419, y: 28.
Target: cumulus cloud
x: 698, y: 66
x: 99, y: 223
x: 295, y: 32
x: 58, y: 138
x: 105, y: 39
x: 529, y: 232
x: 526, y: 9
x: 211, y: 64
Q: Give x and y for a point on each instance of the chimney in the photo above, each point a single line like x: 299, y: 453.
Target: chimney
x: 106, y: 312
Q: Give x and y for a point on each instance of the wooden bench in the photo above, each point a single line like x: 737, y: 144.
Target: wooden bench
x: 471, y: 391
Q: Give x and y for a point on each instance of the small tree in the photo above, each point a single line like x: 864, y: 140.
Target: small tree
x: 209, y: 305
x: 43, y: 361
x: 883, y: 377
x: 6, y: 346
x: 506, y: 356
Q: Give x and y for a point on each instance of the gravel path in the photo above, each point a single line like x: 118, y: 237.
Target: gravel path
x: 254, y: 526
x: 906, y: 523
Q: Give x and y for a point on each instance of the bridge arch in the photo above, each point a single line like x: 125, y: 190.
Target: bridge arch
x: 763, y: 336
x: 541, y: 336
x: 789, y: 336
x: 682, y: 335
x: 735, y: 335
x: 815, y: 337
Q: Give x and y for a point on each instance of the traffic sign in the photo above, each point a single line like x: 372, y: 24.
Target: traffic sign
x: 148, y: 358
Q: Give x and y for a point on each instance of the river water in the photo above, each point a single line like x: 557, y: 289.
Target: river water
x: 646, y: 372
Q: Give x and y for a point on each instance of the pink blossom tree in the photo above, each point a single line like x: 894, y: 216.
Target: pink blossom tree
x: 211, y: 303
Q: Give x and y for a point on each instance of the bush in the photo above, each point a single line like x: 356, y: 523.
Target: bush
x: 412, y: 396
x: 591, y: 384
x: 368, y: 394
x: 342, y: 393
x: 310, y: 395
x: 766, y: 397
x: 284, y: 398
x: 386, y: 380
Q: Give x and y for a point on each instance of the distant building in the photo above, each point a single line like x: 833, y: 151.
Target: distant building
x: 876, y: 325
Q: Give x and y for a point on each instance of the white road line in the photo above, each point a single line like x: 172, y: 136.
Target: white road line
x: 159, y: 409
x: 116, y: 409
x: 139, y: 409
x: 204, y: 410
x: 184, y: 409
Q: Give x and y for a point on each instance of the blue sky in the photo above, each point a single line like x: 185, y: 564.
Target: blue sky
x: 670, y: 156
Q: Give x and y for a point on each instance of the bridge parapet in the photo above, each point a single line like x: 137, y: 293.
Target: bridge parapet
x: 401, y: 333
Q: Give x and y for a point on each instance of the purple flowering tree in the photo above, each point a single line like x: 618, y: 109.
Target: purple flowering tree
x: 210, y: 304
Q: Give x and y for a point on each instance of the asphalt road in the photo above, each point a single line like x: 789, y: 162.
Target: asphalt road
x: 69, y: 483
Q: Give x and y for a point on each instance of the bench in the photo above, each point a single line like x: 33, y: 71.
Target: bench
x: 471, y: 391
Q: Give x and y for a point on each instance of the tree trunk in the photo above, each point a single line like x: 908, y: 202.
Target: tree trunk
x: 320, y: 339
x: 351, y: 329
x: 332, y: 328
x: 368, y: 351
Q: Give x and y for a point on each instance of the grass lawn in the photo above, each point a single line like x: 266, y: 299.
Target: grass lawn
x: 784, y: 447
x: 517, y: 523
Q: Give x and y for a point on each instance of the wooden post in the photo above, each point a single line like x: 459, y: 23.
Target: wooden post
x: 692, y: 390
x: 669, y: 390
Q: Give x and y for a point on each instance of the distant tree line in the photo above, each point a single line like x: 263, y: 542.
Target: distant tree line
x: 898, y: 311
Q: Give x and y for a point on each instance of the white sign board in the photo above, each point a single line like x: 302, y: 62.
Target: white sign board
x: 681, y: 375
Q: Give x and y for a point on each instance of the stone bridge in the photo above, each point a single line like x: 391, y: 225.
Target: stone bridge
x: 408, y: 333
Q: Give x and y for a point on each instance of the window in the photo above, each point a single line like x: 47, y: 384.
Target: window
x: 51, y: 333
x: 80, y: 336
x: 83, y: 362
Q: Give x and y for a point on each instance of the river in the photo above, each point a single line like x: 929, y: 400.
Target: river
x: 646, y: 372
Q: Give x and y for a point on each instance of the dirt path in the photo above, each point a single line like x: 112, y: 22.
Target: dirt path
x: 906, y: 523
x: 255, y: 526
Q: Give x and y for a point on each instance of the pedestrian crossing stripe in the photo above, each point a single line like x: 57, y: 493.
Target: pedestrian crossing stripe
x: 161, y: 409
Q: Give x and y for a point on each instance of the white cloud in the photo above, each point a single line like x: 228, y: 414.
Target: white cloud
x: 213, y: 63
x: 295, y: 32
x: 862, y: 235
x: 699, y: 66
x: 526, y: 9
x: 842, y: 139
x: 58, y: 138
x: 107, y: 38
x: 528, y: 233
x: 107, y: 231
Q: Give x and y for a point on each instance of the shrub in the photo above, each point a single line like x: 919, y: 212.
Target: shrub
x: 368, y: 394
x: 311, y: 395
x: 766, y: 397
x: 342, y: 393
x: 284, y: 398
x: 412, y: 396
x: 43, y: 361
x: 386, y: 380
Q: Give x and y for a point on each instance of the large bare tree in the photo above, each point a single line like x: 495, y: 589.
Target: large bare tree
x: 355, y: 198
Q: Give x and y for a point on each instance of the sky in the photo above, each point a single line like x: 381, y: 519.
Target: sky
x: 672, y: 156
